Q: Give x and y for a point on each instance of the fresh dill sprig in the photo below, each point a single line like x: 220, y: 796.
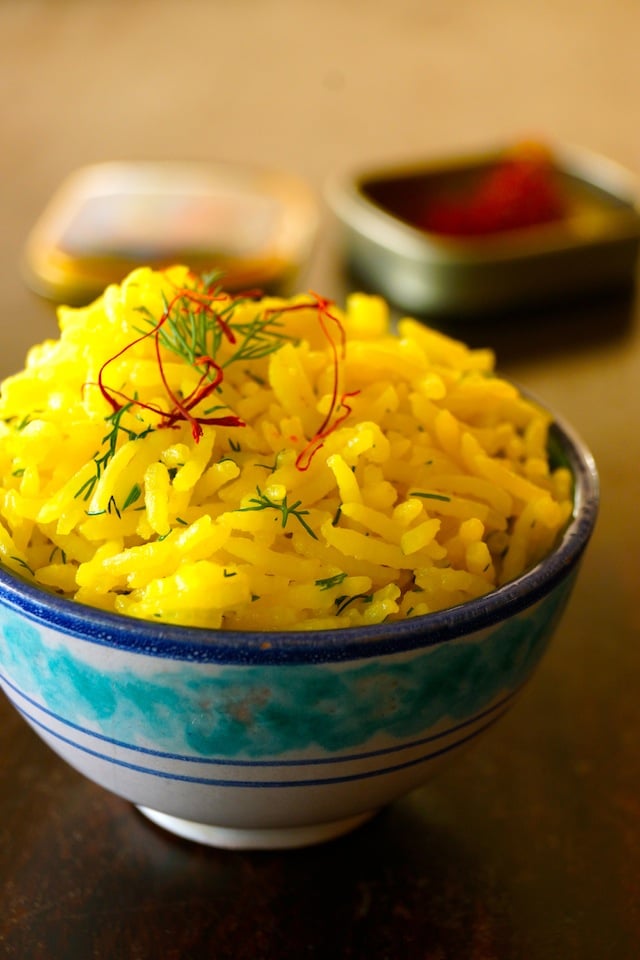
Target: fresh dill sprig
x: 187, y: 333
x: 195, y: 325
x: 258, y: 338
x: 271, y: 467
x: 26, y: 420
x: 328, y: 582
x: 134, y: 494
x: 23, y: 564
x: 209, y: 330
x: 263, y: 502
x: 430, y: 496
x: 112, y: 507
x: 343, y: 602
x: 101, y: 461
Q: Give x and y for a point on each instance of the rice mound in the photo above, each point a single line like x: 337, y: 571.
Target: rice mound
x: 273, y: 464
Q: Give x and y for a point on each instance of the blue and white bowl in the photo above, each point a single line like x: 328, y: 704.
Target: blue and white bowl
x: 262, y: 740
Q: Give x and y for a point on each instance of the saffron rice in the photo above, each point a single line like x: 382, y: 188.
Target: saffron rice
x: 301, y: 467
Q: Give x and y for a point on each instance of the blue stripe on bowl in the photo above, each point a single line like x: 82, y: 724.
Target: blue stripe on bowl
x: 261, y: 784
x: 499, y: 706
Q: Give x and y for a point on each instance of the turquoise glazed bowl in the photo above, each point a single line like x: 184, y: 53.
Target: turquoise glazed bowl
x: 263, y: 740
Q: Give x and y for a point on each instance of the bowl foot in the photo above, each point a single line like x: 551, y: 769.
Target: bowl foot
x: 268, y: 838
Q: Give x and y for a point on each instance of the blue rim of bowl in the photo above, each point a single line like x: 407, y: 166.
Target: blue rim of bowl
x: 197, y: 644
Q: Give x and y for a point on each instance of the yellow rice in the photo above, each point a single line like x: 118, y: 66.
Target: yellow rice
x: 434, y: 488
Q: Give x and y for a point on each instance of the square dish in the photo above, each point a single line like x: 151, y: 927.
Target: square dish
x: 389, y: 246
x: 256, y: 226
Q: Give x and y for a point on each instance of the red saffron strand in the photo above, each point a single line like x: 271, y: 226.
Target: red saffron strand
x: 181, y: 408
x: 108, y: 394
x: 331, y: 420
x: 323, y: 315
x: 204, y: 300
x: 306, y: 455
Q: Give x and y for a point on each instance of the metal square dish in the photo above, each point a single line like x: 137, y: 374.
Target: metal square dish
x: 593, y: 245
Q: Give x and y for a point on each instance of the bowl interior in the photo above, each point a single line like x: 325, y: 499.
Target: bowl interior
x: 159, y: 639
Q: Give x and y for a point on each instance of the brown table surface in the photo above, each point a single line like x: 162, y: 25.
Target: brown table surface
x: 528, y: 846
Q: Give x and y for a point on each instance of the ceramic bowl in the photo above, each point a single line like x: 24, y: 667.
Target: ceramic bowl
x: 261, y: 740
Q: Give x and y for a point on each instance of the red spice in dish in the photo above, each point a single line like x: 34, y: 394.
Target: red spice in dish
x: 520, y: 191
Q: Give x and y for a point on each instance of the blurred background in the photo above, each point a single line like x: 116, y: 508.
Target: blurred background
x: 308, y: 87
